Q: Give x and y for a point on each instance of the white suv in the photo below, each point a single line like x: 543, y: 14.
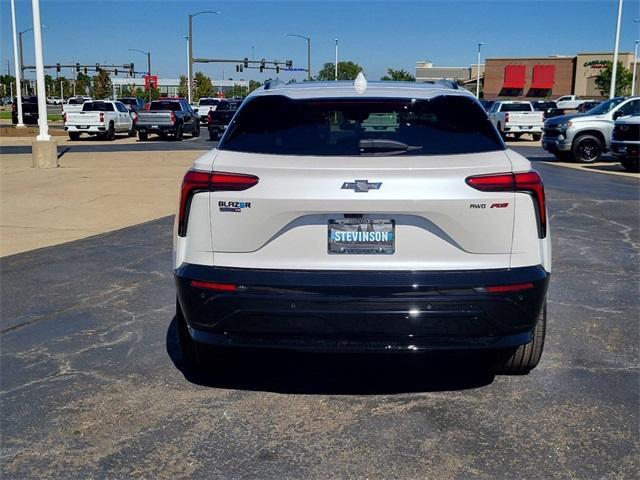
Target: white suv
x: 362, y: 217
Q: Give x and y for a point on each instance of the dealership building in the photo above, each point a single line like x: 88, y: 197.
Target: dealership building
x: 531, y: 77
x: 168, y: 87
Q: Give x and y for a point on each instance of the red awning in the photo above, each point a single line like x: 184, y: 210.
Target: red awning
x: 543, y: 76
x: 514, y: 76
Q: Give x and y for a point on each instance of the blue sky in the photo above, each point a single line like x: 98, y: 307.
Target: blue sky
x: 375, y: 34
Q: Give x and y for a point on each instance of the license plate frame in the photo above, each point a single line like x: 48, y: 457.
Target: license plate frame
x: 381, y: 231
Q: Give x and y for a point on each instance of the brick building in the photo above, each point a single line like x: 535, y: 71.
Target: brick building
x: 532, y: 77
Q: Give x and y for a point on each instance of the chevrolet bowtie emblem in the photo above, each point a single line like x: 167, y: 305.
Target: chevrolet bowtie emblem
x: 361, y: 186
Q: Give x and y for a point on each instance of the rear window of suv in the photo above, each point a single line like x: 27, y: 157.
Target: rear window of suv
x: 356, y: 126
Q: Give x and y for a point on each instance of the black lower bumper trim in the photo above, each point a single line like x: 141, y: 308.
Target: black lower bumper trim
x: 346, y: 310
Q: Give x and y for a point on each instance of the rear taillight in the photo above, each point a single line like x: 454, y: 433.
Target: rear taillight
x: 101, y: 117
x: 196, y: 181
x: 506, y: 117
x: 173, y: 117
x: 64, y: 117
x: 517, y: 287
x: 209, y: 117
x: 134, y: 116
x: 215, y: 286
x: 527, y: 182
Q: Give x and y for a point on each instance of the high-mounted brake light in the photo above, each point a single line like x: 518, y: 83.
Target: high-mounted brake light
x: 527, y: 182
x: 196, y: 181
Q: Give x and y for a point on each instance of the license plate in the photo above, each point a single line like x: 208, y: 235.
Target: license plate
x: 359, y: 236
x: 83, y: 126
x: 154, y: 126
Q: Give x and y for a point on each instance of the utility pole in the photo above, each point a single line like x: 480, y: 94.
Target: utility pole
x: 188, y: 71
x: 308, y: 40
x: 635, y: 63
x: 614, y: 70
x: 336, y: 72
x: 478, y: 72
x: 16, y: 61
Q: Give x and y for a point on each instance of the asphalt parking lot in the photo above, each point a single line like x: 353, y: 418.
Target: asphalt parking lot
x: 93, y: 385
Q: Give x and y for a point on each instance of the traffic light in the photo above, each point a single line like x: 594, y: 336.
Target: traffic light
x: 277, y: 68
x: 57, y: 67
x: 239, y: 68
x: 77, y: 68
x: 97, y: 67
x: 262, y: 62
x: 289, y: 63
x: 115, y: 71
x: 246, y: 63
x: 85, y: 70
x: 131, y: 72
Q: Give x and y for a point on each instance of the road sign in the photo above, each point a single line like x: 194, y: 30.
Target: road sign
x: 295, y: 69
x: 150, y: 82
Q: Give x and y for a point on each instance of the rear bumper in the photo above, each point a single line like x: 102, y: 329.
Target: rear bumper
x: 522, y: 128
x: 156, y: 128
x: 88, y: 129
x: 360, y: 311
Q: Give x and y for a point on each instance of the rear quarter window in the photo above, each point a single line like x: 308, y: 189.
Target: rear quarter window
x: 443, y: 125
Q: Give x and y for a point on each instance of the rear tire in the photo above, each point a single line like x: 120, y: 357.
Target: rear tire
x: 502, y: 134
x: 536, y: 137
x: 213, y: 135
x: 587, y: 149
x: 143, y: 136
x: 179, y: 134
x: 196, y: 130
x: 631, y: 164
x: 74, y: 136
x: 111, y: 133
x: 526, y: 357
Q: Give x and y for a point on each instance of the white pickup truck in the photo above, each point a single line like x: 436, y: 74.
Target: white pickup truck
x: 74, y: 104
x: 513, y: 117
x: 99, y: 117
x: 570, y: 102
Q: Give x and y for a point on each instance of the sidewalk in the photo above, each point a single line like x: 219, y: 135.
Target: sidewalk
x: 90, y: 193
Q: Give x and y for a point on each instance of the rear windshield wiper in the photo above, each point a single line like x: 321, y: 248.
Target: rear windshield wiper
x: 383, y: 146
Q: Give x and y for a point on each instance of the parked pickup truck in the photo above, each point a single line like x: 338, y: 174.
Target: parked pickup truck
x: 512, y: 117
x: 168, y: 116
x: 206, y: 105
x: 220, y: 118
x: 625, y: 142
x: 99, y: 117
x: 585, y: 137
x: 570, y: 102
x: 74, y: 104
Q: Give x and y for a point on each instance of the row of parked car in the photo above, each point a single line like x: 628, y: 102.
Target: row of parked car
x: 166, y: 117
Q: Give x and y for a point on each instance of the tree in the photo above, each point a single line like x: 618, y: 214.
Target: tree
x: 253, y: 84
x: 183, y: 87
x: 204, y: 87
x: 346, y: 71
x: 83, y: 84
x: 398, y: 76
x: 603, y: 80
x: 102, y: 87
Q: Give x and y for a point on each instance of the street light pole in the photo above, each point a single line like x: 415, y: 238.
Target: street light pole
x: 148, y: 54
x: 190, y: 46
x: 478, y: 72
x: 308, y: 40
x: 336, y: 71
x: 635, y: 63
x: 186, y: 37
x: 614, y: 70
x: 17, y: 66
x: 41, y: 89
